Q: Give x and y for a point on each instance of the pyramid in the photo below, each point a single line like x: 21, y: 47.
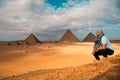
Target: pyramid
x: 69, y: 37
x: 90, y: 38
x: 31, y: 39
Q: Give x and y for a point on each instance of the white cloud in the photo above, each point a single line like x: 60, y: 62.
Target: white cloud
x: 27, y: 16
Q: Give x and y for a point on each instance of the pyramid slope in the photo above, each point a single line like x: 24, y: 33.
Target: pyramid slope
x: 90, y: 38
x: 31, y: 39
x: 69, y: 37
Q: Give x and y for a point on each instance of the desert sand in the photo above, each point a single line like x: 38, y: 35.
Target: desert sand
x: 57, y: 58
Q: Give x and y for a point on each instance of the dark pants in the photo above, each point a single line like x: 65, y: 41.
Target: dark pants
x: 103, y: 52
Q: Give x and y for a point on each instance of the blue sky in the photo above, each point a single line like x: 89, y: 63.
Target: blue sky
x: 49, y: 19
x: 56, y: 3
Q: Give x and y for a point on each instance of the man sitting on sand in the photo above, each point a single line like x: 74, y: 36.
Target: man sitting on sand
x: 102, y: 45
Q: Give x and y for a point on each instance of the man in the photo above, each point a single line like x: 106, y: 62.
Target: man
x: 102, y: 45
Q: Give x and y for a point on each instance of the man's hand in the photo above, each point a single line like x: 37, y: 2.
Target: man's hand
x: 94, y: 50
x: 103, y: 46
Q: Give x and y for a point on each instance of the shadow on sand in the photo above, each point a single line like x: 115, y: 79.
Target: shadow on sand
x: 12, y: 53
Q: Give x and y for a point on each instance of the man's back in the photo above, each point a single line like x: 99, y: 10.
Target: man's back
x: 105, y: 40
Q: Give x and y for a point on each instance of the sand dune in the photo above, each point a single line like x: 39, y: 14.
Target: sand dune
x: 23, y: 59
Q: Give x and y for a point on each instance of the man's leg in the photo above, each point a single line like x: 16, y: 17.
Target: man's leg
x: 100, y: 52
x: 96, y: 55
x: 103, y: 52
x: 109, y: 51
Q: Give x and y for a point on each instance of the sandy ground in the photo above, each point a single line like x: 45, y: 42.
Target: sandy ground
x: 105, y: 69
x: 15, y: 60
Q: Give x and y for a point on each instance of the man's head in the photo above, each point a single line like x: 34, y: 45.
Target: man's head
x: 99, y: 32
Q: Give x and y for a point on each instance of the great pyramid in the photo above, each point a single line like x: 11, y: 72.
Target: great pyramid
x: 69, y: 37
x: 31, y: 39
x: 90, y: 38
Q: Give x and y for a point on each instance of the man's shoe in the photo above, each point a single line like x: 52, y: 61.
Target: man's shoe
x: 105, y: 56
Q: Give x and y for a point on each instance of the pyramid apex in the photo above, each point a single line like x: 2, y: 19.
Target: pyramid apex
x: 68, y: 30
x: 90, y: 33
x: 31, y: 34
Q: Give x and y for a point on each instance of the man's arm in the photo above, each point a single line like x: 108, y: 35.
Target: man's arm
x: 102, y: 47
x: 104, y: 43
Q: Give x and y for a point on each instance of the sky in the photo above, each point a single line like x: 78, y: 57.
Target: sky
x: 49, y: 19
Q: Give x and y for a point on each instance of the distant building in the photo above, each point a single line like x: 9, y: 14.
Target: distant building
x: 90, y: 38
x: 32, y: 39
x: 69, y: 37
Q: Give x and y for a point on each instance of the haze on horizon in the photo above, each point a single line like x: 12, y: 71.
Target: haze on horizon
x: 49, y: 19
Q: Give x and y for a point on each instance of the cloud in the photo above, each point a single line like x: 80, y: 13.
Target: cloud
x: 36, y: 16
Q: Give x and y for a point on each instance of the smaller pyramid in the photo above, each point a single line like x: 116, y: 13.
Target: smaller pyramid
x: 69, y: 37
x: 32, y: 39
x: 90, y: 38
